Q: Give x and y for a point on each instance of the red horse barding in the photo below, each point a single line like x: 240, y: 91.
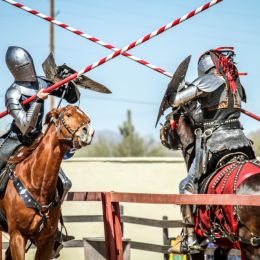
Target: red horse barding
x: 222, y: 223
x: 239, y: 177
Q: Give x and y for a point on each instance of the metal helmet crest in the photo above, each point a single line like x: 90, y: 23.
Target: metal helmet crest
x: 20, y: 64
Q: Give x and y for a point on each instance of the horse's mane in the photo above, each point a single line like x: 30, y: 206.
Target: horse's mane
x: 24, y: 151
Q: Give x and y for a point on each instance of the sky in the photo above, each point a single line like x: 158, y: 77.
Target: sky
x: 135, y: 87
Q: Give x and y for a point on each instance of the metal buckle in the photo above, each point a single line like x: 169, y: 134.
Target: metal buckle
x: 252, y: 241
x: 197, y: 131
x: 208, y: 132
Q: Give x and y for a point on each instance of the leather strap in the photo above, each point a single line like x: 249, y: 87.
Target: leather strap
x: 198, y: 133
x: 223, y: 124
x: 253, y: 241
x: 28, y: 199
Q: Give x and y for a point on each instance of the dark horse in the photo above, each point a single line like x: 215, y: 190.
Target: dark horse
x: 34, y: 173
x: 247, y: 218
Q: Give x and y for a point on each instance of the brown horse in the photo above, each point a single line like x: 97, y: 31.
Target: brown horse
x: 34, y: 215
x: 248, y: 218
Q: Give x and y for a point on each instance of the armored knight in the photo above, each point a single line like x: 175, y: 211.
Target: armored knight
x: 27, y: 123
x: 217, y: 94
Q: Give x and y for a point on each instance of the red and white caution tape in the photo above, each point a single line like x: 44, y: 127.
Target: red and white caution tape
x: 89, y: 37
x: 117, y: 53
x: 109, y: 46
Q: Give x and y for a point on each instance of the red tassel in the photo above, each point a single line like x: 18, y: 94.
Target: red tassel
x: 173, y: 125
x: 232, y: 83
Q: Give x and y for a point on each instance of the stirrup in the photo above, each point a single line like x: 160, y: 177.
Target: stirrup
x: 58, y: 243
x: 181, y: 246
x: 56, y: 249
x: 195, y: 249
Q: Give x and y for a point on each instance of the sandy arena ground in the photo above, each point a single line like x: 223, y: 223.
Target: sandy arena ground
x: 144, y: 175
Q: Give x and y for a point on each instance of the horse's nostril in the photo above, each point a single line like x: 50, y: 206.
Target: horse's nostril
x: 85, y: 130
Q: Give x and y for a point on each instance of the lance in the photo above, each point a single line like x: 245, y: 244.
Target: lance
x: 120, y: 51
x: 106, y: 45
x: 116, y: 50
x: 250, y: 114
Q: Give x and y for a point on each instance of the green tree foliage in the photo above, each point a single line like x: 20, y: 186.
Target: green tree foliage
x: 131, y: 144
x: 255, y: 137
x: 99, y: 148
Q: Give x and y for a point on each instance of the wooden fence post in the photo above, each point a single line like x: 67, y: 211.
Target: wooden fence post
x: 109, y: 226
x: 1, y: 244
x: 118, y: 231
x: 165, y: 238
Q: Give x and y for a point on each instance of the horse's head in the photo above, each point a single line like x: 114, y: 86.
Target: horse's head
x: 72, y: 126
x: 178, y: 130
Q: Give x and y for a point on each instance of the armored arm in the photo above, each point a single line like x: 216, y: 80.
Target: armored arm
x: 190, y: 93
x: 199, y: 87
x: 71, y: 94
x: 25, y: 121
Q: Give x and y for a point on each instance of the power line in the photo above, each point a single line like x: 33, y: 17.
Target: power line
x: 118, y: 100
x: 123, y: 100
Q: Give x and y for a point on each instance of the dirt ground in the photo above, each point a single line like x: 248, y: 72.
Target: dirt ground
x: 144, y: 175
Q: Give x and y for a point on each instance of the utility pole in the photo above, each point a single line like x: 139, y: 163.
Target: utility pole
x: 52, y: 101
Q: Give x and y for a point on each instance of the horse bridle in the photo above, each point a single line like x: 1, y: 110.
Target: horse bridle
x: 68, y: 128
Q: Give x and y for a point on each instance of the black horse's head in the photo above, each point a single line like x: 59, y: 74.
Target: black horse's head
x: 178, y: 130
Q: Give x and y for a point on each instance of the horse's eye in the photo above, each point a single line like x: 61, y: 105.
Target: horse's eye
x: 69, y: 115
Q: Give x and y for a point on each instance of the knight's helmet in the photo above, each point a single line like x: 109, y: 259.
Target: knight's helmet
x: 221, y: 58
x: 205, y: 63
x: 20, y: 63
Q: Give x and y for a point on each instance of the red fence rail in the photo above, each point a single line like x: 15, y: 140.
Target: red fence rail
x: 178, y: 199
x: 111, y: 213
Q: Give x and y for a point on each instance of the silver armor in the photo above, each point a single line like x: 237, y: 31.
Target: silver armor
x: 26, y: 119
x: 200, y: 86
x: 218, y: 97
x: 20, y: 63
x: 205, y: 63
x: 187, y: 185
x: 234, y: 139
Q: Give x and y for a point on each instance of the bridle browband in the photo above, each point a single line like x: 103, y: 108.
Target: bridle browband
x: 67, y: 127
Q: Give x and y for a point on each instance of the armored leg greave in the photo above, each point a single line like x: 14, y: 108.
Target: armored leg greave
x: 188, y: 185
x: 188, y: 218
x: 65, y: 183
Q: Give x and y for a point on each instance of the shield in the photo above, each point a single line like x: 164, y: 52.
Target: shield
x: 56, y: 73
x: 173, y: 86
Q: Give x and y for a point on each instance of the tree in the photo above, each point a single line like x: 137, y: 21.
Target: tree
x: 100, y: 148
x: 255, y: 137
x: 131, y: 144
